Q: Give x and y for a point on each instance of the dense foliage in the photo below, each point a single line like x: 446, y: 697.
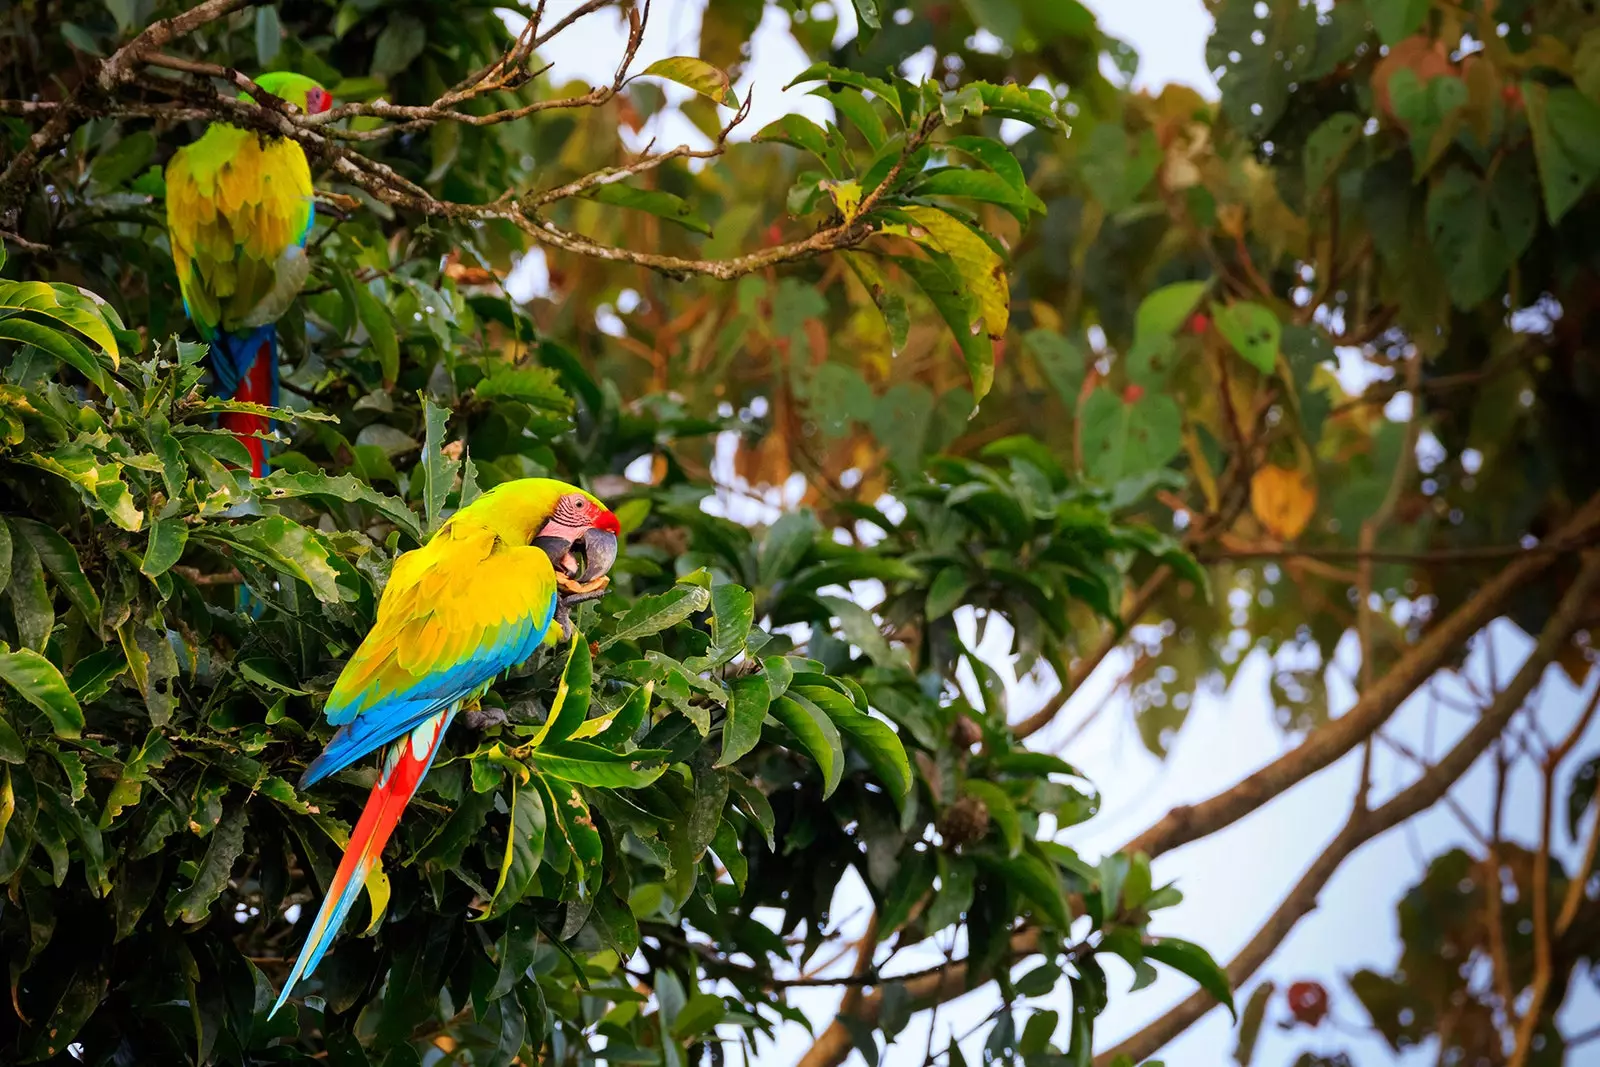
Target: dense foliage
x: 1329, y: 335
x: 655, y: 782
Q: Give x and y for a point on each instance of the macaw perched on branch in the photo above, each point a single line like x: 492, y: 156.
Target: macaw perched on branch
x: 239, y: 211
x: 479, y: 598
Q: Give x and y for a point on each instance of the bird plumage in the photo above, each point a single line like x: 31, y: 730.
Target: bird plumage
x: 239, y: 213
x: 474, y: 601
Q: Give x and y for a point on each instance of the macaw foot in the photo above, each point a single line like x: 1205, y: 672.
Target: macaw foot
x: 573, y: 592
x: 481, y: 719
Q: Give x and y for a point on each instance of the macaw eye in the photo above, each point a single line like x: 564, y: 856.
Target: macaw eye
x: 318, y: 101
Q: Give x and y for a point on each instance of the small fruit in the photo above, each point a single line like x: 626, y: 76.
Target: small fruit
x: 1308, y: 1002
x: 964, y: 822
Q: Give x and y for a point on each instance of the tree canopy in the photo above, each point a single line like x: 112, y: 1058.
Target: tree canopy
x: 1110, y: 370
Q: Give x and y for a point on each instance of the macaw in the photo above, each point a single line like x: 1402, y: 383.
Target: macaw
x: 477, y: 599
x: 239, y: 211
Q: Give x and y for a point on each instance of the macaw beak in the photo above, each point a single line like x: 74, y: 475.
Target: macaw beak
x: 599, y: 553
x: 597, y: 545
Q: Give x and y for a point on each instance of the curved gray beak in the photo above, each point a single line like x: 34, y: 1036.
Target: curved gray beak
x: 599, y: 553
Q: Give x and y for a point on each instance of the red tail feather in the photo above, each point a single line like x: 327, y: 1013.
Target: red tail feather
x: 256, y: 388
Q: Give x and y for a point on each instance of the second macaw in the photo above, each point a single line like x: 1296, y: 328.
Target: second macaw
x: 239, y: 211
x: 479, y: 598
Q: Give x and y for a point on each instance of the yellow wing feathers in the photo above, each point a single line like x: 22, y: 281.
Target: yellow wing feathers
x: 238, y: 208
x: 455, y: 612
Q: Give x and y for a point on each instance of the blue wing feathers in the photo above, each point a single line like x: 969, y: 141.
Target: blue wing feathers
x: 233, y: 354
x: 365, y: 727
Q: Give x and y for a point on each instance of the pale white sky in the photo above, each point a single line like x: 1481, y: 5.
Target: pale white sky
x: 1232, y: 880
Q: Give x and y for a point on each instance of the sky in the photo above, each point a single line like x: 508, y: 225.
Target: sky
x: 1235, y: 878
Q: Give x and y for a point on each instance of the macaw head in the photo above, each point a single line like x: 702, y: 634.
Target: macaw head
x: 572, y: 526
x: 297, y: 89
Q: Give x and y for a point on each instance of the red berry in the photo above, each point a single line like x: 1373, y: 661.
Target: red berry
x: 1199, y: 323
x: 1308, y: 1002
x: 1132, y: 394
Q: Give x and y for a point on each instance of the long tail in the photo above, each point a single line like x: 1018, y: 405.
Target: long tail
x: 246, y: 367
x: 404, y: 763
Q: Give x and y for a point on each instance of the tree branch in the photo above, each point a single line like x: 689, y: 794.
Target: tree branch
x: 1331, y: 741
x: 1189, y: 823
x: 1364, y: 825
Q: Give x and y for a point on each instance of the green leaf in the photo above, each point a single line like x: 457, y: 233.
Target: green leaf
x: 702, y: 1012
x: 101, y: 483
x: 287, y: 546
x: 193, y: 904
x: 1260, y: 58
x: 403, y: 39
x: 853, y: 106
x: 732, y: 612
x: 67, y: 305
x: 816, y: 734
x: 867, y: 15
x: 1035, y: 880
x: 1164, y: 311
x: 1117, y: 167
x: 957, y: 877
x: 438, y: 469
x: 167, y: 540
x: 947, y: 292
x: 1196, y: 962
x: 879, y: 88
x: 1123, y: 437
x: 975, y: 185
x: 62, y: 346
x: 318, y: 485
x: 92, y: 676
x: 1060, y: 361
x: 999, y: 159
x: 570, y: 707
x: 625, y: 722
x: 1566, y: 143
x: 1327, y: 146
x: 378, y: 322
x: 891, y: 304
x: 651, y: 201
x: 705, y: 79
x: 1255, y: 1013
x: 657, y: 612
x: 747, y: 709
x: 269, y: 37
x: 797, y: 131
x: 1396, y: 20
x: 1036, y: 107
x: 1253, y: 331
x: 40, y: 684
x: 61, y: 560
x: 1479, y: 229
x: 78, y: 1001
x: 524, y: 849
x: 949, y: 586
x: 873, y: 738
x: 11, y: 751
x: 862, y: 630
x: 586, y: 764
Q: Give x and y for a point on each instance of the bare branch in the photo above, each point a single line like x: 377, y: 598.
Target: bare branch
x: 1364, y: 825
x: 1331, y: 741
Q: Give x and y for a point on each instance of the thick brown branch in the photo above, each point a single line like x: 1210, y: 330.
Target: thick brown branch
x: 1328, y: 743
x: 1364, y: 825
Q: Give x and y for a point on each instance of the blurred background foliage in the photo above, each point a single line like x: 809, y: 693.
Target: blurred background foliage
x: 1329, y: 336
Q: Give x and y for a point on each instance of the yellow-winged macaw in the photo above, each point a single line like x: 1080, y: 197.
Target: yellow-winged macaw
x: 477, y: 599
x: 239, y: 211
